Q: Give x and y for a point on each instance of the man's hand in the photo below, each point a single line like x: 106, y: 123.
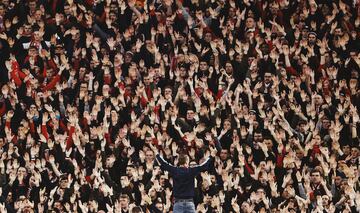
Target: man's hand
x: 213, y: 151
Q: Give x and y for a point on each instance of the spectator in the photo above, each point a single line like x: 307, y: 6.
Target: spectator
x: 91, y: 90
x: 183, y: 177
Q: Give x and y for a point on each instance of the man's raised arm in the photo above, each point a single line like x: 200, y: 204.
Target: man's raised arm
x: 206, y: 164
x: 164, y: 165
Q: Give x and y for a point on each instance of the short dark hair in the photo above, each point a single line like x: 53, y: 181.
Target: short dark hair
x: 124, y: 196
x: 183, y: 159
x: 316, y: 170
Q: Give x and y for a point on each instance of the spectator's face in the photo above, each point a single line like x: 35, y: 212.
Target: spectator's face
x: 338, y: 180
x: 315, y: 177
x: 117, y: 60
x: 354, y: 82
x: 223, y: 154
x: 105, y: 90
x: 61, y: 17
x: 239, y: 57
x: 22, y: 171
x: 250, y: 60
x: 123, y: 181
x: 268, y: 143
x: 286, y: 193
x: 274, y: 8
x: 317, y: 139
x: 132, y: 73
x: 57, y: 205
x: 9, y: 198
x: 32, y: 52
x: 32, y: 5
x: 344, y: 185
x: 212, y: 179
x: 250, y: 23
x: 203, y: 66
x: 282, y: 70
x: 258, y: 137
x: 245, y: 207
x: 110, y: 161
x: 302, y: 127
x: 148, y: 140
x: 312, y: 39
x: 264, y: 47
x: 355, y: 152
x: 304, y: 33
x: 147, y: 80
x: 76, y: 35
x: 159, y: 206
x: 338, y: 32
x: 149, y: 155
x: 232, y: 12
x: 313, y: 7
x: 353, y: 35
x: 326, y: 124
x: 207, y: 199
x: 325, y: 200
x: 227, y: 125
x: 318, y: 100
x: 129, y: 171
x: 263, y: 181
x: 112, y: 17
x: 203, y: 111
x: 38, y: 15
x: 182, y: 72
x: 156, y: 128
x: 267, y: 78
x: 249, y: 36
x: 83, y: 76
x: 190, y: 115
x: 67, y: 10
x: 104, y: 52
x: 325, y: 10
x: 163, y: 180
x: 124, y: 202
x: 346, y: 150
x: 113, y: 8
x: 235, y: 133
x: 6, y: 3
x: 252, y: 115
x: 232, y: 148
x: 2, y: 10
x: 182, y: 39
x: 49, y: 72
x: 63, y: 183
x: 299, y: 154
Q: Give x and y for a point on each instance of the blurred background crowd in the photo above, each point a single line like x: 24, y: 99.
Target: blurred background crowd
x: 91, y: 88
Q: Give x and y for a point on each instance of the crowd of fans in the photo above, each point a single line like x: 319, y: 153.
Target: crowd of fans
x: 90, y: 89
